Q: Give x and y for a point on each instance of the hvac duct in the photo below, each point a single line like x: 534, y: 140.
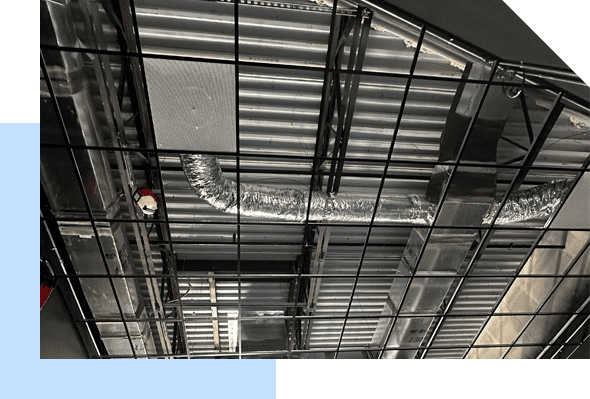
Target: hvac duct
x: 206, y: 177
x: 72, y: 88
x: 469, y: 197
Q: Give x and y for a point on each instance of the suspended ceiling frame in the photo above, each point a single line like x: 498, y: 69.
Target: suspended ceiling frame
x: 136, y: 56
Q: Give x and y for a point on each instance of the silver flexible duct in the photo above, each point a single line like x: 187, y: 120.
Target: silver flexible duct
x: 529, y: 204
x: 204, y: 174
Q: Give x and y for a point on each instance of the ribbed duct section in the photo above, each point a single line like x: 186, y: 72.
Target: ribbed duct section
x: 204, y: 174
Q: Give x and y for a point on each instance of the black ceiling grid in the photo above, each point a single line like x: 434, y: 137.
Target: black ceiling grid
x: 308, y: 112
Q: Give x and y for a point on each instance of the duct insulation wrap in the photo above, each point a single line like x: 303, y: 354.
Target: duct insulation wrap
x: 204, y: 174
x: 539, y: 201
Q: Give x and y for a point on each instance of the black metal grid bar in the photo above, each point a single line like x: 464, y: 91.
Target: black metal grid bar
x: 94, y: 346
x: 330, y: 90
x: 237, y: 122
x: 393, y: 140
x: 527, y: 118
x: 305, y: 158
x: 440, y: 203
x: 123, y: 21
x: 261, y: 276
x: 578, y: 346
x: 565, y: 327
x: 258, y: 155
x: 572, y: 335
x: 320, y: 317
x: 157, y: 159
x: 84, y: 196
x: 555, y: 287
x: 307, y: 68
x: 514, y: 185
x: 328, y: 350
x: 313, y: 223
x: 352, y: 244
x: 307, y: 231
x: 514, y: 143
x: 532, y: 250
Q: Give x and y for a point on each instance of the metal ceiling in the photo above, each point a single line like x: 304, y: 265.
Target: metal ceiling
x: 238, y: 286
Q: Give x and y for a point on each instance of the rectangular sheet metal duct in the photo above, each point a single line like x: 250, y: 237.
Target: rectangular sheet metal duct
x: 469, y: 197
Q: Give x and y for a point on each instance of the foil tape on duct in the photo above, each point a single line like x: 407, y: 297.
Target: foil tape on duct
x: 204, y: 174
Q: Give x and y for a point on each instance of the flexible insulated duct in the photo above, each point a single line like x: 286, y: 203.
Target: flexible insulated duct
x: 206, y: 177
